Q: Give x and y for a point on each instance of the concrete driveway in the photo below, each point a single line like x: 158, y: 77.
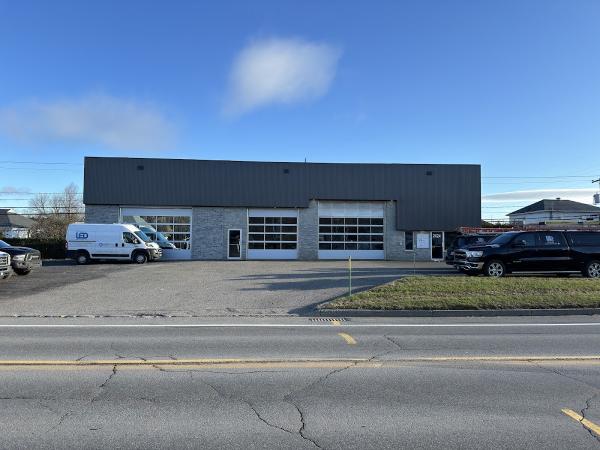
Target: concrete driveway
x: 193, y: 288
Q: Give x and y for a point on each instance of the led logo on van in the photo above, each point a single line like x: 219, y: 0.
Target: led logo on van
x: 81, y: 235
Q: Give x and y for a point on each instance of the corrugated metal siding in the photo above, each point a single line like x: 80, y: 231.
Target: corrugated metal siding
x: 449, y: 198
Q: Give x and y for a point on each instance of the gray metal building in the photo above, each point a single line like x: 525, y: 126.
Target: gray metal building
x: 278, y: 210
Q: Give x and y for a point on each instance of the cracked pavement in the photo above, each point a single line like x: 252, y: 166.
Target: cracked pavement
x: 374, y: 397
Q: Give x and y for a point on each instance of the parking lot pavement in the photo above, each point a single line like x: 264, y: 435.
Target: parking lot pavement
x: 203, y: 288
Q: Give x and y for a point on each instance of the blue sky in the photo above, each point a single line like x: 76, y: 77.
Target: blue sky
x: 511, y: 85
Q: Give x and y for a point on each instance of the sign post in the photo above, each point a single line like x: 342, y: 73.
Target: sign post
x: 349, y: 275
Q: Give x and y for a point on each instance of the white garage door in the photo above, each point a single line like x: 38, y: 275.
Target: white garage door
x: 351, y: 229
x: 173, y: 228
x: 272, y: 234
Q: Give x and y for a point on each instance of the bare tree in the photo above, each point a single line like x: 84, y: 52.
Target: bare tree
x: 54, y: 212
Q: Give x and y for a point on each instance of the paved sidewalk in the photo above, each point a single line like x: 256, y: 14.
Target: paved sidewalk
x: 201, y: 288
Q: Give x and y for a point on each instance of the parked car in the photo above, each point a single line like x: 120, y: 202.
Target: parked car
x: 87, y: 241
x: 465, y: 240
x: 533, y: 251
x: 155, y: 236
x: 23, y: 259
x: 5, y: 269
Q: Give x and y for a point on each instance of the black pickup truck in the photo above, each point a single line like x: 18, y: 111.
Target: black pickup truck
x: 23, y: 259
x: 466, y: 240
x: 533, y: 251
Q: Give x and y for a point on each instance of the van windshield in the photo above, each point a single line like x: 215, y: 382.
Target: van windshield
x: 142, y: 236
x: 154, y: 235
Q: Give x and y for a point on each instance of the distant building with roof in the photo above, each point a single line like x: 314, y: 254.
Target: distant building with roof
x: 13, y: 225
x: 555, y: 211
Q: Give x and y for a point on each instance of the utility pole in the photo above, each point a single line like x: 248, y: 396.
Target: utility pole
x: 597, y: 196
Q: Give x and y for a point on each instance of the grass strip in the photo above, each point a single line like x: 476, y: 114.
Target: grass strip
x: 456, y: 292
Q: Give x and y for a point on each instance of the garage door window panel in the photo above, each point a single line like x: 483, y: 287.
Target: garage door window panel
x: 358, y: 233
x: 272, y: 233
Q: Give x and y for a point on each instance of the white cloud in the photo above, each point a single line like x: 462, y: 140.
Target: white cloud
x: 578, y: 195
x: 12, y: 190
x: 280, y: 71
x: 96, y: 119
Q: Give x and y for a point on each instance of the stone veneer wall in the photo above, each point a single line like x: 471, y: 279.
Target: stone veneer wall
x: 308, y: 232
x: 101, y: 213
x: 209, y: 231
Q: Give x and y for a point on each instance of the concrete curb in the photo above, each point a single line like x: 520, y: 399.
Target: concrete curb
x: 456, y: 312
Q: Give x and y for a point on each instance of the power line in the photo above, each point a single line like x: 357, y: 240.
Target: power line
x: 39, y: 168
x: 535, y: 177
x: 42, y: 162
x: 35, y: 193
x: 31, y: 207
x: 535, y: 182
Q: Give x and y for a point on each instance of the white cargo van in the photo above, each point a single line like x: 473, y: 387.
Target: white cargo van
x: 118, y: 241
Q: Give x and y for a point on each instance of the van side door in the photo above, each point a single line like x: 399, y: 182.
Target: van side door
x: 553, y: 251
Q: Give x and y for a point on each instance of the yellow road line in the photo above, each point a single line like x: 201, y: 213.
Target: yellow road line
x: 349, y: 339
x: 586, y: 423
x: 336, y: 323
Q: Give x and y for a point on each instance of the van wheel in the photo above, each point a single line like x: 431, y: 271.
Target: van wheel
x: 140, y: 258
x: 82, y: 258
x: 592, y: 269
x: 494, y: 268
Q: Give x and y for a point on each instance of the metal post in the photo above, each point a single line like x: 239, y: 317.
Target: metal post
x: 597, y: 181
x: 349, y: 275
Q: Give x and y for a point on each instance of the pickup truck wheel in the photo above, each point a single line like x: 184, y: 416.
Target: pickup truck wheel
x: 22, y: 271
x: 494, y: 268
x: 140, y: 258
x: 592, y: 269
x: 82, y: 258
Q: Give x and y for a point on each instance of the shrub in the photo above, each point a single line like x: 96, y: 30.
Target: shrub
x: 50, y: 249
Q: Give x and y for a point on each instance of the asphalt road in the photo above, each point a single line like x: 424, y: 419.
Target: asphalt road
x: 194, y: 288
x: 296, y: 383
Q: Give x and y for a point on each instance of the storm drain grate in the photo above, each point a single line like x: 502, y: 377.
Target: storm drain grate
x: 328, y: 319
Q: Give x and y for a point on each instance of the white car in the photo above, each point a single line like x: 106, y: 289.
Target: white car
x: 87, y: 241
x: 5, y: 270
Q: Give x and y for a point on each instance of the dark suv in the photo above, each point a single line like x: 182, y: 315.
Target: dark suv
x: 466, y: 240
x: 533, y: 251
x: 22, y: 259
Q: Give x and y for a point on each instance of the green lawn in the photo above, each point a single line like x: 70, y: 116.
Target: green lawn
x: 455, y: 292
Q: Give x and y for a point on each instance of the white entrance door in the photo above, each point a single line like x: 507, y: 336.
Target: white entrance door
x: 169, y: 228
x: 437, y: 245
x: 234, y: 244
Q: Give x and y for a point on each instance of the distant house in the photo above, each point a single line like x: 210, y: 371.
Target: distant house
x: 13, y: 225
x: 555, y: 211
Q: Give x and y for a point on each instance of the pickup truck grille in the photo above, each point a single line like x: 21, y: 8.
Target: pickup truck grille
x: 460, y: 255
x: 3, y: 262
